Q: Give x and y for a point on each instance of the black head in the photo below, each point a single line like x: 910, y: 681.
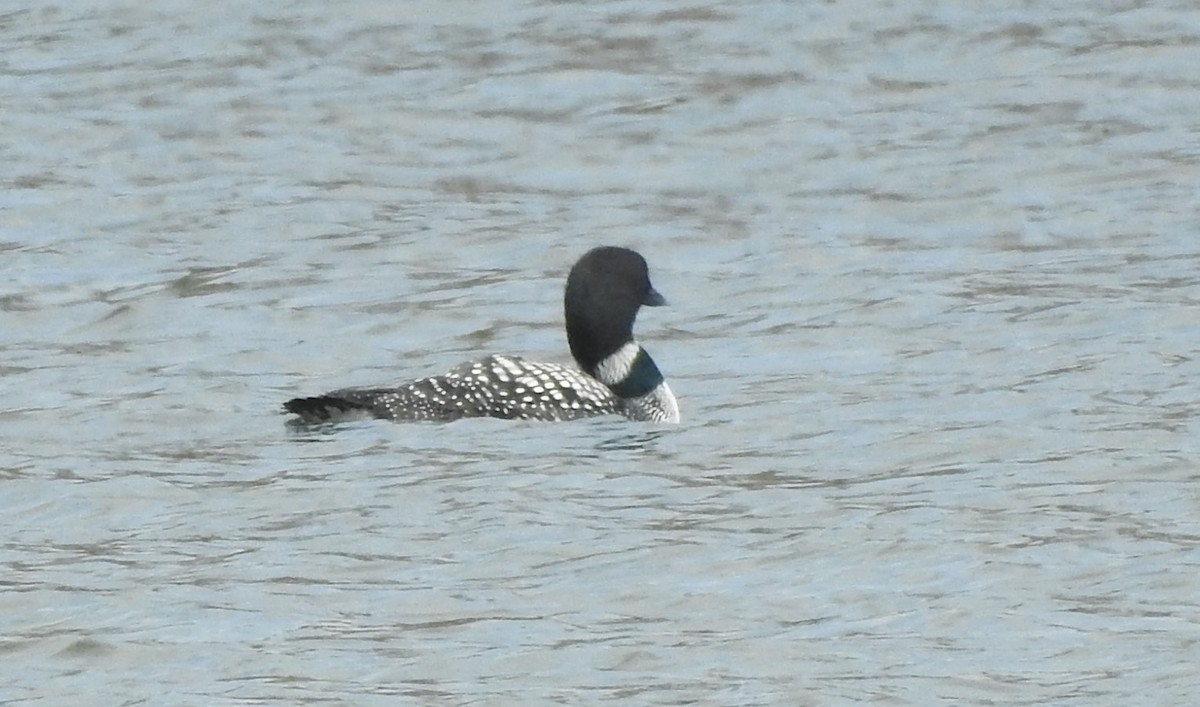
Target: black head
x: 604, y: 292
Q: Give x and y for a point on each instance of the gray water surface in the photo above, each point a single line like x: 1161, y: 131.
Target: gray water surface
x: 934, y: 283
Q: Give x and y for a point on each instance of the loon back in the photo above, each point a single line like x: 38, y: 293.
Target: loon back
x: 508, y: 387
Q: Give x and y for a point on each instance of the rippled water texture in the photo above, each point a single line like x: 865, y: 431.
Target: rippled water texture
x: 933, y: 274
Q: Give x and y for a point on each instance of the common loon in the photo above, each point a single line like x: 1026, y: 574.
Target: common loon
x: 605, y: 289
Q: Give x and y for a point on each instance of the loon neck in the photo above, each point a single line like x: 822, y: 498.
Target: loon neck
x: 632, y: 376
x: 629, y: 371
x: 595, y: 340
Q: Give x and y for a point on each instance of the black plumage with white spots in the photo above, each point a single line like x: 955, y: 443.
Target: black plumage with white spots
x: 604, y: 292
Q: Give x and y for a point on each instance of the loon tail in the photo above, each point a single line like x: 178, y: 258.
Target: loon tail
x: 328, y: 408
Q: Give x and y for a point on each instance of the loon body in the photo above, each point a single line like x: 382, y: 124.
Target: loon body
x: 604, y: 292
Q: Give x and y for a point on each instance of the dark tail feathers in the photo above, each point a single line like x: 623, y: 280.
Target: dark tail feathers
x: 324, y: 408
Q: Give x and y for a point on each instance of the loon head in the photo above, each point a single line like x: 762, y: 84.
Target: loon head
x: 605, y: 290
